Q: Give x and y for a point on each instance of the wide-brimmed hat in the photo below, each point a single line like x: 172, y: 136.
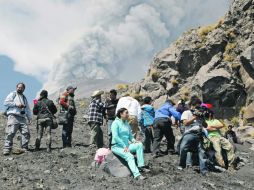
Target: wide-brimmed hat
x: 97, y: 93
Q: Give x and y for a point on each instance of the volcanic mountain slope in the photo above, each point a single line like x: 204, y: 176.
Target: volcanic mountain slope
x: 70, y: 168
x: 213, y: 61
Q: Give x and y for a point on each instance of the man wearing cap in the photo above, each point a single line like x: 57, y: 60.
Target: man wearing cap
x: 67, y: 104
x: 95, y: 119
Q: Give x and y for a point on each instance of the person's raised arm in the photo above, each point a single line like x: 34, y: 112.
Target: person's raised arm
x: 175, y: 114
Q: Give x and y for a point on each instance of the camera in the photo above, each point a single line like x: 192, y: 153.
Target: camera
x: 23, y: 111
x: 200, y: 112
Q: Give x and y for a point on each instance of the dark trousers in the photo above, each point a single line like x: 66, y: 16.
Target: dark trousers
x: 148, y: 138
x: 67, y: 134
x: 162, y: 127
x: 191, y: 143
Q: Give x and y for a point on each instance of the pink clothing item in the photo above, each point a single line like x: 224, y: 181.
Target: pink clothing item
x: 35, y: 101
x: 101, y: 154
x: 209, y: 106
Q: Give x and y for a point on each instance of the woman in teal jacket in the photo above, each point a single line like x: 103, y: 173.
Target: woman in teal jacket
x: 124, y: 144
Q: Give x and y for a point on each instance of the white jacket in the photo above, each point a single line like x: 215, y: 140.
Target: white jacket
x: 131, y: 104
x: 11, y: 102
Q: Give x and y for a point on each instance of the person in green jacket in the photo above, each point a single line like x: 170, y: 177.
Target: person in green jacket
x: 124, y: 144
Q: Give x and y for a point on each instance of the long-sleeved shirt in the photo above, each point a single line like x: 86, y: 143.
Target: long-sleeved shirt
x: 166, y: 111
x: 43, y: 107
x: 11, y: 102
x: 131, y: 104
x: 147, y: 115
x: 121, y: 133
x: 68, y: 104
x: 96, y: 111
x: 110, y: 108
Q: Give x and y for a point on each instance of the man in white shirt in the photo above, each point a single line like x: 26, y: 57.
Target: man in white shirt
x: 134, y: 110
x: 190, y: 141
x: 19, y: 117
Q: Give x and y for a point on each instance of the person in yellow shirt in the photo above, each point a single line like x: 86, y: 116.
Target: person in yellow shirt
x: 218, y: 141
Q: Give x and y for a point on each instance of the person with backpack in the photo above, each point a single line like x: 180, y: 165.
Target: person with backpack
x: 162, y: 127
x: 146, y: 123
x: 19, y: 116
x: 45, y: 110
x: 67, y: 105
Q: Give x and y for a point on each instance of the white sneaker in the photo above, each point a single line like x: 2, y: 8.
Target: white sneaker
x: 180, y: 168
x: 6, y: 152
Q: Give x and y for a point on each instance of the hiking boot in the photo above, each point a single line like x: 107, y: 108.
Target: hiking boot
x: 180, y: 168
x: 159, y: 154
x: 140, y: 178
x: 25, y: 150
x: 204, y: 173
x: 144, y: 169
x: 220, y: 169
x: 172, y: 151
x: 6, y: 152
x: 147, y: 151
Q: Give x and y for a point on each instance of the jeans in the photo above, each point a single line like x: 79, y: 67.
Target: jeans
x: 191, y: 143
x: 162, y: 126
x: 109, y: 123
x: 67, y: 134
x: 148, y: 137
x: 129, y: 158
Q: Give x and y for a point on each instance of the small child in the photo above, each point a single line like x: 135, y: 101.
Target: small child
x: 146, y: 123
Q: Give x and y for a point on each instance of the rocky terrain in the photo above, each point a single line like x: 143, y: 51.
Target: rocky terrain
x: 213, y: 61
x: 70, y: 168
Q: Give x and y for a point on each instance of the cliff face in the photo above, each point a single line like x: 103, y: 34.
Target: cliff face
x: 214, y: 62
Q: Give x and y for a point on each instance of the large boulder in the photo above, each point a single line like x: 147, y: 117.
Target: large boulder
x: 116, y: 166
x: 249, y: 113
x: 214, y: 62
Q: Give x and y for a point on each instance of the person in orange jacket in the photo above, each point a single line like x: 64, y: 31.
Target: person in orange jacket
x: 67, y: 103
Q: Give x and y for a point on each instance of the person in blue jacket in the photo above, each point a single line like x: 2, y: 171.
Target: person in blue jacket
x: 146, y: 123
x: 162, y: 127
x: 124, y: 144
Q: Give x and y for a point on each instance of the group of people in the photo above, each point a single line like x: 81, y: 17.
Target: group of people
x: 19, y: 117
x: 128, y: 121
